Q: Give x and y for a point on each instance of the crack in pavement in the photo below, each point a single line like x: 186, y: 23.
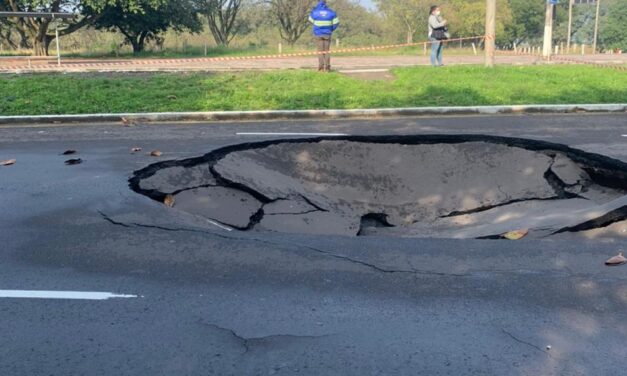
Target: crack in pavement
x: 317, y: 250
x: 248, y: 342
x: 525, y: 342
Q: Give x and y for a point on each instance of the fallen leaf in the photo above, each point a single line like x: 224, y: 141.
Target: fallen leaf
x: 516, y: 235
x: 72, y: 162
x: 169, y: 201
x: 69, y: 152
x: 8, y: 162
x: 156, y: 153
x: 128, y: 122
x: 172, y: 97
x: 616, y: 260
x: 136, y: 149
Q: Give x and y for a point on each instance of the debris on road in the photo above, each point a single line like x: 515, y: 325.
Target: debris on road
x: 616, y: 260
x: 169, y: 201
x: 69, y: 152
x: 8, y: 162
x: 136, y: 149
x: 156, y: 153
x: 128, y: 123
x: 72, y: 162
x: 516, y: 235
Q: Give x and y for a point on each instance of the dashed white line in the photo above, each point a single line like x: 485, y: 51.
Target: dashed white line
x: 70, y: 295
x: 289, y: 134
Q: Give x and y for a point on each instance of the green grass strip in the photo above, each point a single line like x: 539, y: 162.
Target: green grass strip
x: 40, y: 94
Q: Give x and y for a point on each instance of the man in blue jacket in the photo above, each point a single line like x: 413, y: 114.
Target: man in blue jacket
x: 324, y: 21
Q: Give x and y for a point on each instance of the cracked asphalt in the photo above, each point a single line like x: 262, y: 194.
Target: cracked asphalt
x: 217, y: 302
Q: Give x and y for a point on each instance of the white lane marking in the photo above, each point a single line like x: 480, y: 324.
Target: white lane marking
x: 364, y: 71
x: 625, y: 135
x: 72, y: 295
x: 219, y: 225
x: 288, y: 134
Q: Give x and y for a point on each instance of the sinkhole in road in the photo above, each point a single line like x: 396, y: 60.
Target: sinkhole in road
x: 446, y: 186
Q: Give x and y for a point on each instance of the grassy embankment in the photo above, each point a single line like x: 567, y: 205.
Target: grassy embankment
x: 413, y: 87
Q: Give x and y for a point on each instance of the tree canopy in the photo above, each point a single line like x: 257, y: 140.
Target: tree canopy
x: 268, y: 21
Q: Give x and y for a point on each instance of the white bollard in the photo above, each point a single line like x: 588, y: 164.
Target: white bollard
x: 583, y: 49
x: 474, y: 49
x: 280, y: 48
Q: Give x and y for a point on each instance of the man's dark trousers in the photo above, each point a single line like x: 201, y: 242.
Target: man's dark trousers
x: 324, y: 45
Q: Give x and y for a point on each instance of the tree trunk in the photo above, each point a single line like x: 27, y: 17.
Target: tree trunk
x: 138, y: 46
x: 40, y: 48
x: 410, y: 36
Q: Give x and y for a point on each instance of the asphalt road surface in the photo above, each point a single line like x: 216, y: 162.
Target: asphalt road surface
x: 213, y: 302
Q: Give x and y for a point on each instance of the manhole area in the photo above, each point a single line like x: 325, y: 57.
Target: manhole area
x: 429, y: 186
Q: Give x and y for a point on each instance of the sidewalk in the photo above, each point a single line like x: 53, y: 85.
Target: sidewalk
x: 208, y: 64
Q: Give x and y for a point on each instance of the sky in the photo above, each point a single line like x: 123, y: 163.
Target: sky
x: 367, y: 3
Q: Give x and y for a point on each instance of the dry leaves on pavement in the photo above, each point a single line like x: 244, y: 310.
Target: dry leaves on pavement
x: 616, y: 260
x: 169, y: 201
x: 8, y: 162
x: 72, y: 162
x: 516, y: 235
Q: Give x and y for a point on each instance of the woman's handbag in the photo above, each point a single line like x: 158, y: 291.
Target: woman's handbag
x: 441, y: 33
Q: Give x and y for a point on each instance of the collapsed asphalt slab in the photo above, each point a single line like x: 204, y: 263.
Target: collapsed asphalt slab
x: 470, y: 186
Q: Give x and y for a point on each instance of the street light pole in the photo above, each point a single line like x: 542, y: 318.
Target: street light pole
x: 570, y: 23
x: 490, y: 32
x: 596, y: 28
x: 548, y: 31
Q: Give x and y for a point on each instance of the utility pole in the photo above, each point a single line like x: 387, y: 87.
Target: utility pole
x: 548, y: 29
x: 570, y: 23
x: 596, y: 28
x: 490, y: 32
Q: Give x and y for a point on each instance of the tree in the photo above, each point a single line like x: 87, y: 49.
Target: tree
x: 613, y: 31
x: 411, y: 14
x: 37, y: 31
x: 358, y: 24
x: 222, y: 16
x: 467, y: 19
x: 527, y: 20
x: 292, y: 17
x: 140, y: 27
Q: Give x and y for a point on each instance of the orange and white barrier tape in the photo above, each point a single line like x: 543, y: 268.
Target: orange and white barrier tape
x: 101, y: 64
x: 566, y: 59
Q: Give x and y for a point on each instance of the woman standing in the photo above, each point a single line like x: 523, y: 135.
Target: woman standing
x: 438, y: 32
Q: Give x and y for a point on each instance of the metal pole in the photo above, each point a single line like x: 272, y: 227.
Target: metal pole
x: 56, y: 32
x: 596, y: 28
x: 490, y: 32
x: 570, y: 24
x: 548, y: 31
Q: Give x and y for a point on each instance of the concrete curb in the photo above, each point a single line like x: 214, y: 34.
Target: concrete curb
x: 314, y: 114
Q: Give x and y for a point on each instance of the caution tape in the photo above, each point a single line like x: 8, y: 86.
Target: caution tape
x: 101, y: 64
x: 567, y: 60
